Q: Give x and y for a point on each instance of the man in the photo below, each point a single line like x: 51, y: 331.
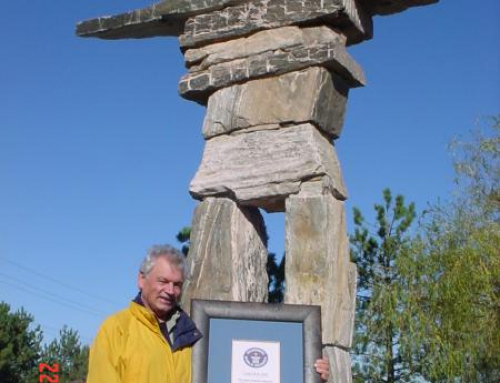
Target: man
x: 151, y: 340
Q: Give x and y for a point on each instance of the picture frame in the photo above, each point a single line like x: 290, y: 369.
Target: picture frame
x: 298, y: 327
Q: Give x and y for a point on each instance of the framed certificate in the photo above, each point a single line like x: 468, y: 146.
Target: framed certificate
x: 256, y: 342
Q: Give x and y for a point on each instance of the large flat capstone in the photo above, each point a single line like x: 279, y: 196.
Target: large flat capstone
x: 170, y: 17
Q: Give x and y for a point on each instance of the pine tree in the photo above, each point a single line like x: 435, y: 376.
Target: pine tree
x: 19, y: 346
x: 379, y: 340
x: 69, y: 354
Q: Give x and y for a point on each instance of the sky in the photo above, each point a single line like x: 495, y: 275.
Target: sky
x: 97, y: 148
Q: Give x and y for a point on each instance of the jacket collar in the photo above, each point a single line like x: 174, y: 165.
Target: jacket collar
x: 185, y: 331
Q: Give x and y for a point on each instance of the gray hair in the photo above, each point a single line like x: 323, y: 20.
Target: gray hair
x: 170, y: 253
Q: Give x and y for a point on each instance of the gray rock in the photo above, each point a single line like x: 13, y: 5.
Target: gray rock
x: 198, y: 86
x: 168, y: 18
x: 252, y: 16
x: 340, y: 364
x: 353, y: 287
x: 264, y: 41
x: 360, y: 22
x: 318, y: 270
x: 227, y: 255
x: 262, y: 167
x: 312, y: 95
x: 165, y: 18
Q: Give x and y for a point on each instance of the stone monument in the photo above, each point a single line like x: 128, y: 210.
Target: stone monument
x: 275, y: 76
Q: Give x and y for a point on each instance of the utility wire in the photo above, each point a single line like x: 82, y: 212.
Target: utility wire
x: 58, y: 282
x: 51, y: 299
x: 57, y: 333
x: 53, y: 295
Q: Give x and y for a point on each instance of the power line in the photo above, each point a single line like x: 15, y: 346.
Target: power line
x: 58, y: 282
x: 53, y: 295
x: 58, y: 333
x: 51, y: 299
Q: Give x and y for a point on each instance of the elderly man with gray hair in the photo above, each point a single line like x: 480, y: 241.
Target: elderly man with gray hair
x: 151, y: 340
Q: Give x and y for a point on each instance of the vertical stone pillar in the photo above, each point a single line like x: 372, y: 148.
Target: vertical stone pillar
x: 318, y: 270
x: 228, y: 253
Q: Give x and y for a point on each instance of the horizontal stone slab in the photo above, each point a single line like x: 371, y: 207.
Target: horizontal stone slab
x: 312, y: 95
x: 165, y: 18
x: 168, y: 18
x: 255, y: 15
x: 198, y: 86
x: 262, y: 167
x: 285, y: 38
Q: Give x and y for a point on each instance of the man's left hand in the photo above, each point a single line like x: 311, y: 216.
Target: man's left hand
x: 323, y: 368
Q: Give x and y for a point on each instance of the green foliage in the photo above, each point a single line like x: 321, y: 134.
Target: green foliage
x: 21, y: 351
x: 70, y: 354
x: 455, y: 272
x: 477, y: 169
x: 429, y: 304
x: 183, y: 237
x: 376, y: 249
x: 276, y: 275
x: 19, y: 346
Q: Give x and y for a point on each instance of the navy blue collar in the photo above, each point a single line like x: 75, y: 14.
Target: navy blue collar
x: 186, y: 334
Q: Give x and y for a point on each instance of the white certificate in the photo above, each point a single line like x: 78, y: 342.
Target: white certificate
x: 255, y: 362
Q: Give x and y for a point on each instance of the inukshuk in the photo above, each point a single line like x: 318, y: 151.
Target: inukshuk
x: 275, y: 76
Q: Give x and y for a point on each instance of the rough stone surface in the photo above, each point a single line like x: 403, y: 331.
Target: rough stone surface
x: 262, y: 167
x: 198, y: 86
x: 340, y: 365
x: 360, y: 25
x: 353, y: 287
x: 264, y: 41
x: 227, y: 254
x: 313, y: 95
x: 167, y: 18
x: 318, y: 270
x: 252, y: 16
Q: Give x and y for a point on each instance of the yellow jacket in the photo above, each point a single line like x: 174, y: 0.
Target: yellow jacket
x: 130, y: 348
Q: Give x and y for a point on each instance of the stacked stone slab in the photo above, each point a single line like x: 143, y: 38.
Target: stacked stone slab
x: 275, y: 77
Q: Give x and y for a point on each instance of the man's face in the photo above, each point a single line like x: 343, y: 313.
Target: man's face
x: 161, y: 289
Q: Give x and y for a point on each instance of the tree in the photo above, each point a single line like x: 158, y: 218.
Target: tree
x: 429, y: 304
x: 454, y: 272
x: 19, y: 346
x: 183, y: 236
x: 276, y: 274
x: 380, y: 343
x: 70, y: 354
